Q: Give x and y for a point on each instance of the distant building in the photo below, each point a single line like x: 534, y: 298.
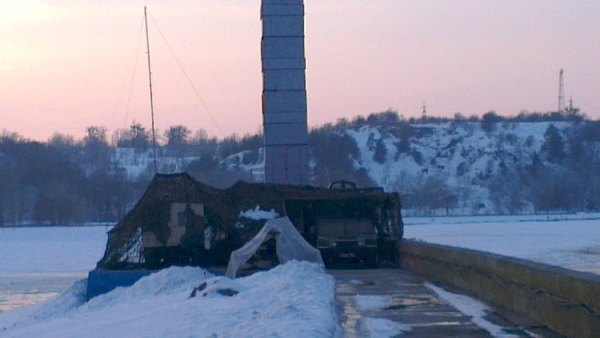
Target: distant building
x: 284, y: 92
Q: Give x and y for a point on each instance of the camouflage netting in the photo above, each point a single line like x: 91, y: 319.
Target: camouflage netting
x: 180, y: 221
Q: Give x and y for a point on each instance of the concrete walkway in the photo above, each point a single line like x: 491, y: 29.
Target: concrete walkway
x: 413, y: 305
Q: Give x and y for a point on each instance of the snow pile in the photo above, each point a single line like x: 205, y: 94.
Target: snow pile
x: 258, y: 214
x: 291, y: 300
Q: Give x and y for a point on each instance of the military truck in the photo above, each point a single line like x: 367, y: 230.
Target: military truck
x: 353, y: 227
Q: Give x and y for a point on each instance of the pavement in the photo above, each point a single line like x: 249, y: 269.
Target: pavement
x: 414, y: 306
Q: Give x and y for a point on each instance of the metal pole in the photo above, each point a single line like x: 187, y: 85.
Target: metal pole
x: 151, y: 97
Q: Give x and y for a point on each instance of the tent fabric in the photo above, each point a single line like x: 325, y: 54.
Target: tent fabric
x: 289, y: 242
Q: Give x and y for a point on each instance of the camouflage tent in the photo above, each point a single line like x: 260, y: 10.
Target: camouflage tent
x: 180, y: 221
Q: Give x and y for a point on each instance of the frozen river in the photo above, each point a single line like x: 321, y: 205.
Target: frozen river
x: 570, y: 241
x: 37, y: 263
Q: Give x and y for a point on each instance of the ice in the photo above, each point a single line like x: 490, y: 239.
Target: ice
x: 50, y: 250
x: 570, y: 241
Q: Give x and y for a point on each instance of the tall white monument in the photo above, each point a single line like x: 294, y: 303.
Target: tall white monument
x: 284, y: 92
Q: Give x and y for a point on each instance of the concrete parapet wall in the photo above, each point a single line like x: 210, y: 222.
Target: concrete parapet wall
x: 566, y: 301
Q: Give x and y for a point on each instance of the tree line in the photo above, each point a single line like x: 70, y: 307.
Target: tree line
x: 68, y: 181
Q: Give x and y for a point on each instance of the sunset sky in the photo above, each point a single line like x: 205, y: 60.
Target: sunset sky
x: 68, y: 64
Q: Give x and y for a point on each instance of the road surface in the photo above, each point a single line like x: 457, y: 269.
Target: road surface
x: 414, y: 306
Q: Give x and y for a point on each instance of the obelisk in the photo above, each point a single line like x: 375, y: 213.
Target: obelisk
x: 284, y: 92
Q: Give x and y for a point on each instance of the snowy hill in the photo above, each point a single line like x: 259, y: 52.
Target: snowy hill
x: 141, y: 162
x: 462, y: 155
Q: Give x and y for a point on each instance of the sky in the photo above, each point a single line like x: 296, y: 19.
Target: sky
x: 69, y: 64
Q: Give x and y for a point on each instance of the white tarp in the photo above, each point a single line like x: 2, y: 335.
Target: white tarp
x: 289, y: 242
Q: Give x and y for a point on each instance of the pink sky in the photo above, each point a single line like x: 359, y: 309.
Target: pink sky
x: 68, y: 64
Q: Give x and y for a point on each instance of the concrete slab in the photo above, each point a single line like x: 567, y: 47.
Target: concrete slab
x: 411, y: 304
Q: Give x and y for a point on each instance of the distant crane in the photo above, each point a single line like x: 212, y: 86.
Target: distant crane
x: 561, y: 92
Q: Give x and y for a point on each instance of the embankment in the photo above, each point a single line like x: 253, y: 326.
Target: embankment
x: 564, y: 300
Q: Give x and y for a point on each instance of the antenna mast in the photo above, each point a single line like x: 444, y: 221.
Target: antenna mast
x: 151, y: 97
x: 570, y: 104
x: 561, y: 92
x: 424, y: 112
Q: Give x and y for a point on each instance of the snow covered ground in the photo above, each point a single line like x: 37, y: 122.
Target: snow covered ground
x: 292, y: 300
x: 570, y: 241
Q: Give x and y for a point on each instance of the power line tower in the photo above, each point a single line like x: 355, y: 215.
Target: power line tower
x: 424, y: 112
x: 570, y: 104
x: 561, y: 92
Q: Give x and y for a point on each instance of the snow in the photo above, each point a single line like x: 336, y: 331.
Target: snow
x: 137, y: 162
x: 278, y: 302
x: 258, y: 214
x: 50, y: 250
x: 381, y: 173
x: 38, y: 263
x: 570, y: 241
x: 292, y: 300
x: 470, y: 307
x: 384, y: 328
x: 237, y: 162
x: 378, y: 327
x: 372, y: 302
x: 463, y: 154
